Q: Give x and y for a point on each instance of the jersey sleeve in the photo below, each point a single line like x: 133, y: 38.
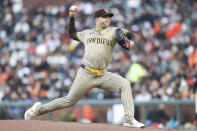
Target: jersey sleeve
x: 81, y: 35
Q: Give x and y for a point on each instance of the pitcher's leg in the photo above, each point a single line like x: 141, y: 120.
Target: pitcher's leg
x: 82, y: 83
x: 117, y: 83
x: 127, y: 101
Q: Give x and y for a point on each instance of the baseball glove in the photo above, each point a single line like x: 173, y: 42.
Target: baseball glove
x: 122, y: 40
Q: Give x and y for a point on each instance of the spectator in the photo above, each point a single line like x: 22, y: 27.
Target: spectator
x: 144, y: 95
x: 84, y: 114
x: 157, y: 116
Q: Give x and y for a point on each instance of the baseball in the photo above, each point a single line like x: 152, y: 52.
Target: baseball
x: 73, y: 8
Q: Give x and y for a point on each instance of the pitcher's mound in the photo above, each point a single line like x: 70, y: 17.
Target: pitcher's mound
x: 37, y: 125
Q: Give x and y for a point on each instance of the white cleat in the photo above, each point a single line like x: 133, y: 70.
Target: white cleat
x: 134, y: 124
x: 33, y: 111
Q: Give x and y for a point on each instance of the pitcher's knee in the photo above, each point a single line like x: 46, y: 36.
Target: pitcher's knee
x: 126, y: 82
x: 126, y: 85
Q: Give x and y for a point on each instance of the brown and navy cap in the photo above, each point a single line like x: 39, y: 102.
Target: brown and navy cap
x: 102, y: 12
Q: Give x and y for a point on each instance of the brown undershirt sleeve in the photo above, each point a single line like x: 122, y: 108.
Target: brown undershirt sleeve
x: 72, y: 29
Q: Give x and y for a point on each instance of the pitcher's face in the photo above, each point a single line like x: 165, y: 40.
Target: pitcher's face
x: 103, y: 21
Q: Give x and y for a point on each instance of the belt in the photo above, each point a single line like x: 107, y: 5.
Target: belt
x: 91, y: 69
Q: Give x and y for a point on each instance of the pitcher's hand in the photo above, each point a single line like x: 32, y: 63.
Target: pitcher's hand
x: 73, y: 10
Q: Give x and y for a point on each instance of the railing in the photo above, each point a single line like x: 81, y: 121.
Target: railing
x: 110, y: 102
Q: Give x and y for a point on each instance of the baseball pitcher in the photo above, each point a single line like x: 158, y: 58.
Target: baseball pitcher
x: 99, y: 43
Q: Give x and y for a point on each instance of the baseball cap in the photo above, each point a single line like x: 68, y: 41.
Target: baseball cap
x: 103, y: 12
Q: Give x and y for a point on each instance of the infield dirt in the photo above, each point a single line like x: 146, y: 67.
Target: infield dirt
x: 38, y: 125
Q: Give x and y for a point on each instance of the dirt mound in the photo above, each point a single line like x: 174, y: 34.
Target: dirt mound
x: 37, y: 125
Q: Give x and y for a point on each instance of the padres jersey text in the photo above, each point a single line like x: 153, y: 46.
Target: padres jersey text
x: 99, y: 47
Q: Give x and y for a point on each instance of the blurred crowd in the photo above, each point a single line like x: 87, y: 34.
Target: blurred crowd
x: 38, y: 60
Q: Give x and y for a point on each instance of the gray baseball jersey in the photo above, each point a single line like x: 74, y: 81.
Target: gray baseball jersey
x: 99, y: 46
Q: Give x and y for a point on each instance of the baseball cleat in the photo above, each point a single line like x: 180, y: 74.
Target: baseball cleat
x: 33, y: 111
x: 134, y: 124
